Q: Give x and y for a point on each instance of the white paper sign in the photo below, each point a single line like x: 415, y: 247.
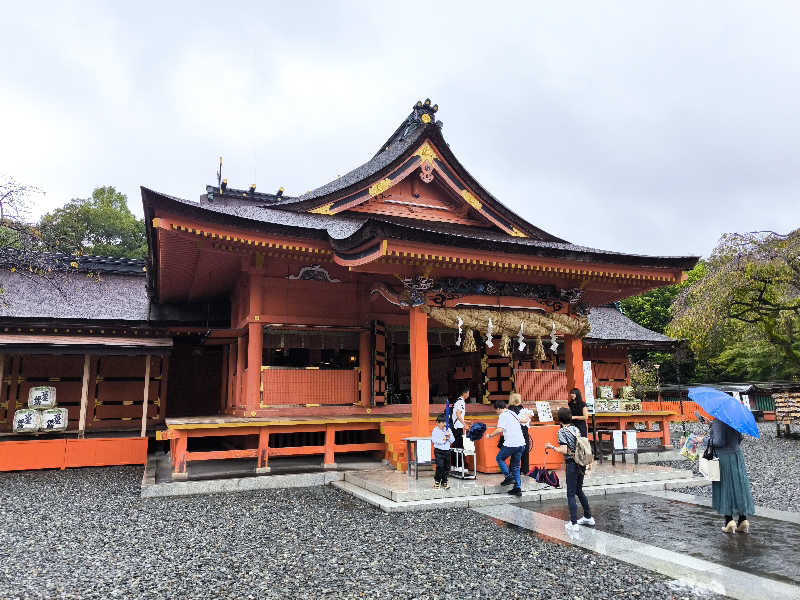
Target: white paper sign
x: 618, y: 439
x: 545, y: 412
x: 746, y: 401
x: 423, y: 451
x: 631, y: 440
x: 588, y: 386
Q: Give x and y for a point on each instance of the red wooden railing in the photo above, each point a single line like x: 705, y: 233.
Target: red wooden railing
x: 684, y: 411
x: 309, y: 386
x: 548, y: 386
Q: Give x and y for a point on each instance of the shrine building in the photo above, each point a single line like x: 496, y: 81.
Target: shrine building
x: 337, y: 322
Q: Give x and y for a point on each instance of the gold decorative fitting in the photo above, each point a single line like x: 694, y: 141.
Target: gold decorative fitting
x: 426, y: 153
x: 471, y: 200
x: 323, y: 210
x: 425, y: 118
x: 517, y: 233
x: 380, y: 187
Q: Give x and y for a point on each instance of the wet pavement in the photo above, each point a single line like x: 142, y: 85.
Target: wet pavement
x: 771, y: 549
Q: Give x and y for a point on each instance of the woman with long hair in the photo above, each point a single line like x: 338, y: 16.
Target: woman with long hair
x: 731, y: 495
x: 580, y: 414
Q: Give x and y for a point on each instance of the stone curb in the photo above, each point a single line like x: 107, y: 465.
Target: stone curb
x: 239, y: 484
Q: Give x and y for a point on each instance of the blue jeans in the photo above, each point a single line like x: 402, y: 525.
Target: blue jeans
x: 574, y: 476
x: 515, y: 452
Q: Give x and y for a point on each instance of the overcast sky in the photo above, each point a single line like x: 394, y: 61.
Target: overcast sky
x: 641, y: 127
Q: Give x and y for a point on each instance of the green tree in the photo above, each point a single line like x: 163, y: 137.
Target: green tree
x: 643, y: 377
x: 744, y: 312
x: 102, y: 225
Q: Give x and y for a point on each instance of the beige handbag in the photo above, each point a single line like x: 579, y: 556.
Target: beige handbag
x: 709, y: 468
x: 709, y: 463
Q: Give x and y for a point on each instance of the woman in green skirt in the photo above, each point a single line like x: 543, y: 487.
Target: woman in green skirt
x: 731, y: 494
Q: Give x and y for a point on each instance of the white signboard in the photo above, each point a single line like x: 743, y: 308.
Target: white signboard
x: 423, y: 451
x: 588, y: 386
x: 544, y: 411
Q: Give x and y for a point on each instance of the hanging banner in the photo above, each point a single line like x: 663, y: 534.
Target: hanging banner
x: 588, y: 386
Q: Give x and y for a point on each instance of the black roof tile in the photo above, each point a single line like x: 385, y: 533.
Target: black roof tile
x: 112, y: 296
x: 349, y: 231
x: 609, y: 324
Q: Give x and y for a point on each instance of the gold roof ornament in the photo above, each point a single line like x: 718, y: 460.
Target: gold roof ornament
x: 517, y: 233
x: 426, y: 153
x: 325, y: 209
x: 471, y: 200
x: 380, y: 187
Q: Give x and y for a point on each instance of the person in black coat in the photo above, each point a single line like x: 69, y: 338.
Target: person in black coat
x: 580, y: 414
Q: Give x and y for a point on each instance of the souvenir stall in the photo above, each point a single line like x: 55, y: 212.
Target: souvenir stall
x: 787, y: 413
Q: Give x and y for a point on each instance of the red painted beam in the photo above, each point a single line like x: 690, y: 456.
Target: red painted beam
x: 221, y: 454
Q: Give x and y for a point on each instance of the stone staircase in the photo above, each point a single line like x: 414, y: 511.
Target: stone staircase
x: 393, y: 491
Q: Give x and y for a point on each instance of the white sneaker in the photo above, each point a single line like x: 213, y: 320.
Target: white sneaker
x: 585, y: 521
x: 572, y: 527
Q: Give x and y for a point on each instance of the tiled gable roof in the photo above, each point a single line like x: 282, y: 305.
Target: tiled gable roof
x: 608, y: 323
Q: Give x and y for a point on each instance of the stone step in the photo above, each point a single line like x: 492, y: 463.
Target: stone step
x: 399, y: 488
x: 388, y: 505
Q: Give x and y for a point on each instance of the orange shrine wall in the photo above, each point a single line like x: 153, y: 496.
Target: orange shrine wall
x: 344, y: 302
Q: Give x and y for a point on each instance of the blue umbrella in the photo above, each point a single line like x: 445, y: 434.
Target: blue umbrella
x: 446, y: 415
x: 726, y: 408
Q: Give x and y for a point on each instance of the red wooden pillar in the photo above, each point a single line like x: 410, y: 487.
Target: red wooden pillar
x: 365, y: 363
x: 230, y: 402
x: 420, y: 387
x: 573, y: 357
x: 263, y: 450
x: 666, y: 437
x: 178, y: 448
x: 328, y: 461
x: 241, y: 353
x: 255, y: 345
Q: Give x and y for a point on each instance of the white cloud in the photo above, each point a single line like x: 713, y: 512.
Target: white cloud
x: 640, y: 127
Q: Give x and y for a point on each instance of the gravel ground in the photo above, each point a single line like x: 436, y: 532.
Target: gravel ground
x: 86, y: 533
x: 773, y: 465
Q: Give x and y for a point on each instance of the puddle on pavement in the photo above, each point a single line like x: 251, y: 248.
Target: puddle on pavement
x: 771, y: 549
x: 525, y: 531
